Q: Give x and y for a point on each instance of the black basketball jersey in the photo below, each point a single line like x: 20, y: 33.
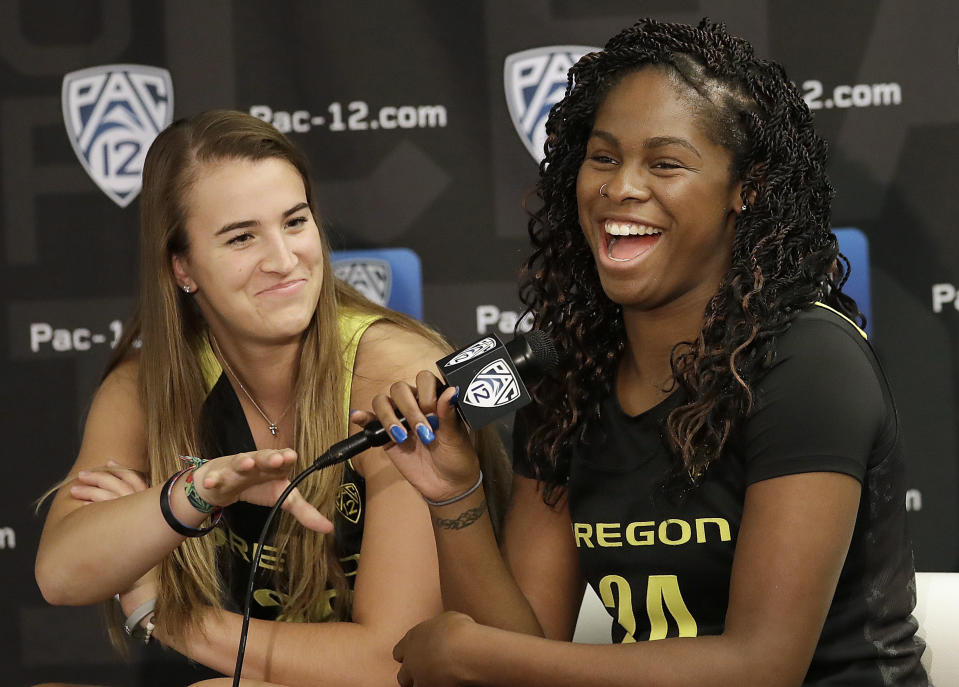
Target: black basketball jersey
x: 661, y: 560
x: 227, y: 433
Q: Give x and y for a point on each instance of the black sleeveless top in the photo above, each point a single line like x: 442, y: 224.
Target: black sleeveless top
x: 225, y: 432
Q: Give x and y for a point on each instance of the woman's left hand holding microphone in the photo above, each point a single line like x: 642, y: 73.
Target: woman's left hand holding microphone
x: 436, y: 456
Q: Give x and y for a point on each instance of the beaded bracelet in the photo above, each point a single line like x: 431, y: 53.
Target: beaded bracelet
x: 133, y: 621
x: 148, y: 630
x: 446, y: 502
x: 171, y: 519
x: 132, y: 624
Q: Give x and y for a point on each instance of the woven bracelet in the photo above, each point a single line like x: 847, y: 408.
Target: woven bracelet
x: 171, y: 519
x: 192, y: 495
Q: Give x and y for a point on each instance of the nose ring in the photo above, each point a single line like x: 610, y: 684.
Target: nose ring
x: 602, y: 191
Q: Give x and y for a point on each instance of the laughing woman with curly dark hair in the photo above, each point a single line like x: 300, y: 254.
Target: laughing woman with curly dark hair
x: 718, y: 456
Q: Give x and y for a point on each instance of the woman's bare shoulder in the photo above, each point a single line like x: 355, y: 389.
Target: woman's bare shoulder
x: 124, y: 375
x: 116, y: 417
x: 388, y: 349
x: 390, y: 353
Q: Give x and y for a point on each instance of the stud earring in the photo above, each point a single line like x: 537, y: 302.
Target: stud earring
x: 744, y: 207
x: 186, y: 289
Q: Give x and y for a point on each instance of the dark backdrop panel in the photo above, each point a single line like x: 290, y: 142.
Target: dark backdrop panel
x: 401, y: 108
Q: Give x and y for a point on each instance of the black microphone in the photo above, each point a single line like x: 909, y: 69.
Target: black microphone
x: 490, y: 376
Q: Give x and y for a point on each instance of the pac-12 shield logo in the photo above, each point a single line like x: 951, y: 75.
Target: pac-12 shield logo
x: 112, y: 114
x: 479, y: 348
x: 535, y: 80
x: 348, y: 502
x: 493, y: 386
x: 370, y: 276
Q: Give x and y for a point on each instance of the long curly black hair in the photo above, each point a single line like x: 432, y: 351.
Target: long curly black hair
x: 784, y: 256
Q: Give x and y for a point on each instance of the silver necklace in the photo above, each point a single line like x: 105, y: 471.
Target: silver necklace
x: 272, y: 426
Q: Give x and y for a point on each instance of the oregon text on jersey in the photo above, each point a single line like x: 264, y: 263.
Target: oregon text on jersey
x: 672, y: 532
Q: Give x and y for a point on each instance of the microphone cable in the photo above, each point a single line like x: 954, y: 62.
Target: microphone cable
x: 532, y: 354
x: 337, y: 453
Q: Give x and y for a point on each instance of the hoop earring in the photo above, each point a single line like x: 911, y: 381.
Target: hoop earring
x: 602, y: 191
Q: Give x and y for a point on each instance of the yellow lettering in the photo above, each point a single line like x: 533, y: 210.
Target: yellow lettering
x: 607, y: 534
x: 269, y: 559
x: 684, y: 527
x: 219, y: 536
x: 582, y: 531
x: 721, y: 523
x: 268, y: 597
x: 666, y: 588
x: 238, y: 544
x: 622, y: 603
x: 647, y: 532
x: 348, y: 569
x: 323, y: 610
x: 647, y: 535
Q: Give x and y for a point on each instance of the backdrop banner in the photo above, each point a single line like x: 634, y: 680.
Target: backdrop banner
x: 424, y: 124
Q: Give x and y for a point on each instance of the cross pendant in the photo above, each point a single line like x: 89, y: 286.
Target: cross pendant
x: 274, y: 430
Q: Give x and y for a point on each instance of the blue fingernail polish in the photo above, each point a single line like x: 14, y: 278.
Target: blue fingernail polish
x: 455, y: 397
x: 425, y: 433
x: 398, y: 433
x: 433, y: 420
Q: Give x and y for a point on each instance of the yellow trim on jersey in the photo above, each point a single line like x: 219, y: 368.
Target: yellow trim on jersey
x: 352, y: 326
x: 209, y: 365
x: 861, y: 332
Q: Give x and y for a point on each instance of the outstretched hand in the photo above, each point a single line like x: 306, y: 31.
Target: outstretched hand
x: 258, y: 477
x: 435, y: 456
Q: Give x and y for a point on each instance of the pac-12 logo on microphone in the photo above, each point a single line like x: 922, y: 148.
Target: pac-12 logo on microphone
x: 370, y: 276
x: 493, y: 386
x: 112, y: 114
x: 479, y: 348
x: 535, y: 80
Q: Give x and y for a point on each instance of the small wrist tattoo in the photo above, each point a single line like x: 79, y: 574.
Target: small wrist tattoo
x: 463, y: 520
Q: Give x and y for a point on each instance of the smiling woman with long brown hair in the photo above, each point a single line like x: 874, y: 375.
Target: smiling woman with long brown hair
x: 718, y: 454
x: 247, y: 354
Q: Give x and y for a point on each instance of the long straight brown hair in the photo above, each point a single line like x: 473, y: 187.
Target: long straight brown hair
x: 167, y: 333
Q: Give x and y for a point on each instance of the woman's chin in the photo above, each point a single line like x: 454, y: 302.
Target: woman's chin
x: 282, y: 331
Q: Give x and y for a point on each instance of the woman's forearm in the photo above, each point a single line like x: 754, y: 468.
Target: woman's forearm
x: 496, y: 658
x: 100, y: 549
x: 335, y: 653
x: 473, y: 576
